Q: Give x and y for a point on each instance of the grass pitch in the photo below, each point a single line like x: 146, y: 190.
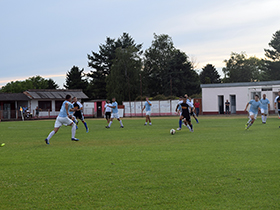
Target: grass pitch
x: 219, y: 166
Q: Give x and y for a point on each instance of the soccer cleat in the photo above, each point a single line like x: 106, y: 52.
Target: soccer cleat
x: 121, y: 127
x: 47, y: 141
x: 87, y: 130
x: 196, y: 120
x: 145, y: 124
x: 74, y: 139
x: 178, y: 129
x: 191, y: 130
x: 263, y: 122
x: 150, y: 124
x: 107, y: 126
x: 76, y: 127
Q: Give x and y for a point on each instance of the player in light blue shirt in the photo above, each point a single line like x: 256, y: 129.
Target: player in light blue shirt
x: 147, y: 106
x: 265, y: 108
x: 253, y: 112
x: 115, y: 113
x: 63, y: 119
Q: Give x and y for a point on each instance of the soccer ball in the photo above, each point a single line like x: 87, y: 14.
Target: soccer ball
x: 172, y: 131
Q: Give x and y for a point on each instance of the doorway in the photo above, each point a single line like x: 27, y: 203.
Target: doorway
x: 233, y: 104
x: 99, y: 108
x: 221, y: 104
x: 7, y: 111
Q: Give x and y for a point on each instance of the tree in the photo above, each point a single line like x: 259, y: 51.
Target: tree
x: 273, y: 58
x: 102, y: 61
x: 209, y: 75
x: 36, y: 82
x: 239, y: 68
x: 167, y: 70
x: 123, y: 81
x: 74, y: 79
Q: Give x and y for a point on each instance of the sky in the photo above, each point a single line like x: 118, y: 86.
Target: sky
x: 48, y: 38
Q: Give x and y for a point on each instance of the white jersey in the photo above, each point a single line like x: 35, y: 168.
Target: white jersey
x: 108, y: 108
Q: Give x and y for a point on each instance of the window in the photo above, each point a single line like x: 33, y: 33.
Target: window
x: 255, y: 93
x: 266, y: 89
x: 45, y: 105
x: 58, y: 105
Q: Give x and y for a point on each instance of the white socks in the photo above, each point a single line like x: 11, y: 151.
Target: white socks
x: 50, y: 135
x: 110, y: 123
x: 73, y: 130
x: 121, y: 123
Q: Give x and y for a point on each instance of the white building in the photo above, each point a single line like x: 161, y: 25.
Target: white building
x: 214, y: 96
x: 50, y: 100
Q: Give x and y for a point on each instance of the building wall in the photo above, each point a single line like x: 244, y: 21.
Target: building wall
x: 210, y: 96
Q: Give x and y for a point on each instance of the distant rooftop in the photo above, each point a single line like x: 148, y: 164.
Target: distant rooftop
x: 54, y: 94
x: 13, y: 97
x: 240, y: 84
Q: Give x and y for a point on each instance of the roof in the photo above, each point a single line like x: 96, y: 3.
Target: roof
x: 54, y: 94
x: 240, y: 84
x: 13, y: 97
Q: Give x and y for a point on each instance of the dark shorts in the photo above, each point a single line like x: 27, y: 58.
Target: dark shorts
x: 79, y: 115
x: 108, y: 115
x: 187, y: 117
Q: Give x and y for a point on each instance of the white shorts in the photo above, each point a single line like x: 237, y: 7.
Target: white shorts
x: 148, y: 113
x: 264, y: 111
x: 115, y: 115
x: 62, y: 121
x: 255, y: 115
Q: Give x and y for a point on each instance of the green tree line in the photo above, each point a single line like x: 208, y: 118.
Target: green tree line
x: 122, y: 69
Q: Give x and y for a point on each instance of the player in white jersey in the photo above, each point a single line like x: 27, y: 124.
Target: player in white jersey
x: 265, y: 108
x: 115, y: 113
x: 107, y: 111
x: 63, y: 118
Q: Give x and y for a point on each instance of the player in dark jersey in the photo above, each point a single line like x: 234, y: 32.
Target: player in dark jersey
x: 78, y: 113
x: 185, y: 116
x: 277, y: 104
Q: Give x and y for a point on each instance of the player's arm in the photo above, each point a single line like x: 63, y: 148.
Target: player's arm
x: 176, y: 110
x: 268, y: 105
x: 143, y: 108
x: 275, y: 101
x: 66, y: 107
x: 246, y: 107
x: 149, y: 103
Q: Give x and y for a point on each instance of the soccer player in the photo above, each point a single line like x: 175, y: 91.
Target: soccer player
x: 79, y: 112
x: 147, y: 105
x: 277, y: 101
x: 115, y: 113
x: 192, y: 110
x: 253, y: 112
x: 179, y: 111
x: 265, y: 108
x: 107, y: 111
x: 185, y: 116
x: 63, y: 118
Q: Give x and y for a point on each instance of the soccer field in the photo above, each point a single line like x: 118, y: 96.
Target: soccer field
x: 218, y: 166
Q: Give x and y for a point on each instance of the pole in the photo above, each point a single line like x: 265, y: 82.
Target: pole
x: 141, y: 93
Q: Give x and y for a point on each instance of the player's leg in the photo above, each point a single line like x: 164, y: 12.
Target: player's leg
x: 252, y: 120
x: 193, y: 114
x: 120, y: 122
x: 73, y: 131
x: 149, y: 118
x: 111, y: 121
x: 189, y: 124
x: 146, y: 119
x: 58, y: 123
x: 84, y: 122
x: 262, y: 113
x: 180, y: 123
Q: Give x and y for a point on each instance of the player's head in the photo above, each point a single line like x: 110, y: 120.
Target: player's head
x: 113, y: 99
x: 279, y: 93
x: 75, y: 99
x: 147, y: 99
x: 190, y: 98
x: 68, y: 97
x: 108, y: 101
x: 257, y: 97
x: 184, y: 99
x: 186, y: 95
x: 264, y: 96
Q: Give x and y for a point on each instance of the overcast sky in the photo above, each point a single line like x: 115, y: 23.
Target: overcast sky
x: 48, y: 37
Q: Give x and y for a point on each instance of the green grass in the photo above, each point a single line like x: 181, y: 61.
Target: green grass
x: 219, y: 166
